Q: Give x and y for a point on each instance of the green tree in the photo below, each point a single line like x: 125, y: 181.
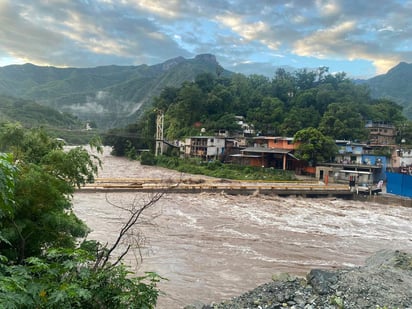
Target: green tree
x: 241, y: 91
x: 41, y: 216
x: 8, y: 173
x: 40, y: 264
x: 66, y: 278
x: 219, y: 100
x: 314, y: 146
x: 386, y: 111
x: 205, y: 81
x: 268, y: 116
x: 223, y: 122
x: 343, y: 121
x: 305, y: 79
x: 284, y: 85
x: 185, y: 112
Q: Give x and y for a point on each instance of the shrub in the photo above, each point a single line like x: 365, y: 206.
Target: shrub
x: 147, y: 158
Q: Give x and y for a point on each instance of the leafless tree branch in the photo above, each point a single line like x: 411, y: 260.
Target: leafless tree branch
x: 135, y: 212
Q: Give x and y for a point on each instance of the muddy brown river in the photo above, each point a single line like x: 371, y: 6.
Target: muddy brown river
x: 212, y: 247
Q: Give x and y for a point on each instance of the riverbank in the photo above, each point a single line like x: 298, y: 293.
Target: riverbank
x: 213, y: 246
x: 386, y: 199
x: 385, y: 281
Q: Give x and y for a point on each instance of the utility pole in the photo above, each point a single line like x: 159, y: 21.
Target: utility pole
x: 159, y: 132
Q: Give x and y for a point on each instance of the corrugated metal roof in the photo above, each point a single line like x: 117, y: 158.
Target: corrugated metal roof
x: 266, y: 150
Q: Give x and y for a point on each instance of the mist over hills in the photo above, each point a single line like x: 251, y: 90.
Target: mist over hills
x: 110, y: 96
x: 395, y: 85
x: 114, y: 96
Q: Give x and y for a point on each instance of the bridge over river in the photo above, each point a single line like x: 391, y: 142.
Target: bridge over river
x: 197, y: 185
x: 212, y: 246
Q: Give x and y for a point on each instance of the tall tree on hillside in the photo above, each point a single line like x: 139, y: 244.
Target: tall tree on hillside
x: 241, y: 92
x: 268, y: 116
x: 305, y: 79
x: 343, y: 121
x: 299, y: 118
x: 284, y: 86
x: 386, y: 111
x: 219, y: 100
x: 314, y: 146
x: 185, y: 112
x: 8, y: 172
x: 205, y: 81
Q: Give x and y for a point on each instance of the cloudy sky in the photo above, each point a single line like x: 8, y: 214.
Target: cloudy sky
x: 360, y: 37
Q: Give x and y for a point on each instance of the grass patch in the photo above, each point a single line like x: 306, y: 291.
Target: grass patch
x: 220, y: 170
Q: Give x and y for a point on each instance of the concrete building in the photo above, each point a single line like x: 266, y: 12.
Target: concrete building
x: 205, y: 147
x: 270, y: 151
x: 381, y: 133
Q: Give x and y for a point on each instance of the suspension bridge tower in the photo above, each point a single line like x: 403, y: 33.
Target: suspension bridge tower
x: 159, y: 132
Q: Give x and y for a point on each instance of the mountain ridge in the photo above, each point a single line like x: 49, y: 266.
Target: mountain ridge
x: 395, y: 85
x: 115, y: 95
x: 108, y: 95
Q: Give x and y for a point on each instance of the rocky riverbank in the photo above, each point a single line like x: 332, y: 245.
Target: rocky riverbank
x: 385, y: 281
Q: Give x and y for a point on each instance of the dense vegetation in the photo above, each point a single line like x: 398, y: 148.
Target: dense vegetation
x: 110, y: 96
x: 45, y: 261
x: 114, y: 96
x: 33, y: 114
x: 290, y: 102
x: 58, y: 124
x: 394, y: 85
x: 217, y: 169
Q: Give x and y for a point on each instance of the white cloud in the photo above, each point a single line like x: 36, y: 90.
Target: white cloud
x: 328, y: 7
x: 327, y: 42
x: 99, y: 32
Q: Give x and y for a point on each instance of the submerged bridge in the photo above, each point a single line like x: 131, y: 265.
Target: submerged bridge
x: 198, y: 185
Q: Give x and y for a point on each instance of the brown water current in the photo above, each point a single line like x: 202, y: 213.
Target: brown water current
x: 212, y: 247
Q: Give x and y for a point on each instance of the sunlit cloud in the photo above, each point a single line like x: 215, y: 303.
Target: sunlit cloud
x: 305, y: 33
x: 327, y: 42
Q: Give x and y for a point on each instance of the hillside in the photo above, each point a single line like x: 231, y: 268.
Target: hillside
x: 114, y: 96
x: 395, y: 85
x: 110, y: 96
x: 32, y: 114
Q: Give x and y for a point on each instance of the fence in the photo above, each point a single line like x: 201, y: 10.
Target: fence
x: 399, y: 184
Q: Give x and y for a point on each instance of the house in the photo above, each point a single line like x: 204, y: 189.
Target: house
x: 247, y: 129
x: 275, y: 142
x: 205, y: 147
x: 381, y: 133
x: 349, y: 152
x: 267, y: 151
x: 402, y: 160
x: 353, y: 162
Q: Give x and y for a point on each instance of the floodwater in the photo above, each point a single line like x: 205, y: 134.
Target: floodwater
x: 212, y: 247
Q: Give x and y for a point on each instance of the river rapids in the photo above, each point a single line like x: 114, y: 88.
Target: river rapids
x: 211, y: 247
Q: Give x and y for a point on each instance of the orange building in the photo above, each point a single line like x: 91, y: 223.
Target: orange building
x: 267, y: 151
x: 277, y: 142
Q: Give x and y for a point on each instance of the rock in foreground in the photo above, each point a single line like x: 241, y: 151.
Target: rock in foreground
x: 384, y: 282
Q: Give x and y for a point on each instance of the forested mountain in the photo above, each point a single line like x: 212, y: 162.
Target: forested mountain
x: 395, y: 85
x: 281, y: 106
x: 110, y: 96
x: 114, y: 96
x: 32, y: 114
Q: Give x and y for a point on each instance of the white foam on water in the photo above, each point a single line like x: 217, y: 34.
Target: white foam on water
x: 211, y: 246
